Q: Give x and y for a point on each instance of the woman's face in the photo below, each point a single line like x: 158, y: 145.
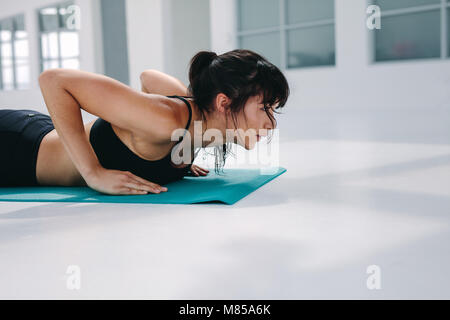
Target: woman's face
x: 252, y: 123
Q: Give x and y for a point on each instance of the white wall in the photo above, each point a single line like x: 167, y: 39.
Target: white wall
x: 354, y: 82
x: 165, y: 34
x: 90, y: 48
x: 223, y: 25
x: 145, y: 20
x: 187, y: 31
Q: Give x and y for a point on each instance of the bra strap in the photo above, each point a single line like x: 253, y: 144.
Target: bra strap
x: 190, y: 111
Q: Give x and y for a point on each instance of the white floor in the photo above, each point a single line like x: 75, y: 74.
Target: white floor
x: 362, y: 188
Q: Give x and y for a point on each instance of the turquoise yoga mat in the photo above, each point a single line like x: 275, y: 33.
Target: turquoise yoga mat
x: 228, y: 187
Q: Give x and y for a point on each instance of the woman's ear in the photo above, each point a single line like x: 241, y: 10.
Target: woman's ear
x: 222, y: 102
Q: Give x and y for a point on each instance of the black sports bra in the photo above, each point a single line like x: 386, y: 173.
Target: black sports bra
x: 114, y: 154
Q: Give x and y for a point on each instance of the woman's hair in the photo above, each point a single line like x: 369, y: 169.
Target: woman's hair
x: 239, y: 74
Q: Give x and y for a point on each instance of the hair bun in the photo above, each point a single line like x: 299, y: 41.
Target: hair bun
x: 198, y: 65
x: 202, y: 60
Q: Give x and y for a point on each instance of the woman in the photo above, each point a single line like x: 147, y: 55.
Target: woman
x: 127, y: 150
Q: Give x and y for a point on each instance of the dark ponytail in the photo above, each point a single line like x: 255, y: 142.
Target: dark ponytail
x: 200, y: 80
x: 199, y: 64
x: 239, y: 74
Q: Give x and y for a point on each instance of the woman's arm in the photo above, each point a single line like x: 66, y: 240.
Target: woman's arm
x: 66, y: 91
x: 154, y: 81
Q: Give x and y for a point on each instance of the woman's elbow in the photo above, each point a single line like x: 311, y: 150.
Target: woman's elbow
x: 147, y: 72
x: 51, y: 76
x: 146, y: 75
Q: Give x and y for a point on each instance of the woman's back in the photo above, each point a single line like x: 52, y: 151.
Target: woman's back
x: 116, y: 148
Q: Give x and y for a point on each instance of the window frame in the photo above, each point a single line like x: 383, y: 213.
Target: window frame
x: 12, y: 41
x: 283, y: 29
x: 443, y: 7
x: 59, y: 59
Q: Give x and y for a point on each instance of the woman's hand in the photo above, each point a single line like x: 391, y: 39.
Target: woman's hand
x: 198, y: 171
x: 118, y: 182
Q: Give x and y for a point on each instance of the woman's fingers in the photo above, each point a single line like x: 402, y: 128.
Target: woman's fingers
x: 111, y: 181
x: 133, y: 191
x: 141, y: 187
x: 203, y: 170
x: 196, y: 170
x: 200, y: 168
x: 132, y: 182
x: 146, y: 182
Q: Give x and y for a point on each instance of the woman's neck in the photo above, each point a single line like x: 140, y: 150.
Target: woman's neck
x: 211, y: 121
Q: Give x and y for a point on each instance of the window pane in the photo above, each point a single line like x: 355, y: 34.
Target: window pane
x: 5, y: 35
x: 69, y: 44
x: 71, y: 64
x: 267, y: 44
x: 51, y: 64
x: 6, y: 28
x: 44, y: 46
x: 22, y: 76
x: 409, y: 36
x: 398, y: 4
x: 6, y: 50
x: 20, y: 34
x: 7, y: 77
x: 19, y: 27
x: 298, y: 11
x: 21, y: 48
x: 254, y: 14
x: 48, y: 19
x: 313, y: 46
x: 19, y: 22
x: 49, y: 45
x: 7, y: 62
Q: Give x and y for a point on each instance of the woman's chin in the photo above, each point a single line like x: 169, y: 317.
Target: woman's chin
x: 251, y: 146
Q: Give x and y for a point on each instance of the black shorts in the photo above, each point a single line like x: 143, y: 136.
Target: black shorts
x: 21, y: 133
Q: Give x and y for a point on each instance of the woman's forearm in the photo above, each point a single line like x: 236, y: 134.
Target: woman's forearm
x: 66, y: 116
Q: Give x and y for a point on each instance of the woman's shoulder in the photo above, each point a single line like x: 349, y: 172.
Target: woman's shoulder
x: 167, y: 115
x: 182, y: 108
